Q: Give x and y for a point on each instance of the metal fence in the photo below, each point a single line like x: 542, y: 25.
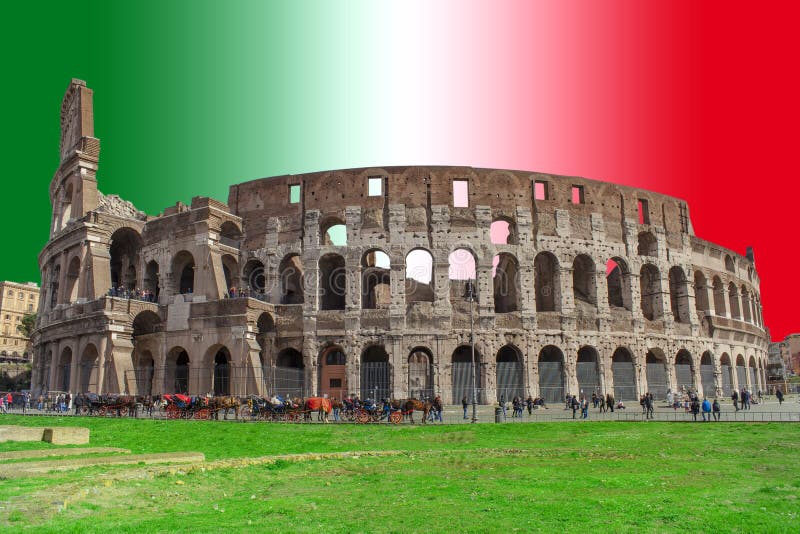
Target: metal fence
x: 727, y: 384
x: 657, y: 380
x: 551, y: 381
x: 683, y: 376
x: 462, y: 383
x: 510, y: 380
x: 741, y: 377
x: 707, y: 379
x: 588, y: 377
x: 375, y: 380
x: 624, y: 381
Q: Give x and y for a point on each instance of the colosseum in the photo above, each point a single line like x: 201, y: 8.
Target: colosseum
x: 355, y: 282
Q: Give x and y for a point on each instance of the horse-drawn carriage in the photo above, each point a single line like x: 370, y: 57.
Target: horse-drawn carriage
x: 276, y: 409
x: 106, y: 405
x: 181, y: 406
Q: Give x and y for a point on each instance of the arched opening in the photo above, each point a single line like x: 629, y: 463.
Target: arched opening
x: 230, y: 234
x: 506, y: 283
x: 144, y: 371
x: 420, y: 374
x: 648, y: 245
x: 727, y: 376
x: 73, y: 274
x: 375, y: 373
x: 419, y: 276
x: 503, y: 231
x: 624, y: 374
x: 746, y: 315
x: 751, y: 369
x: 375, y: 280
x: 333, y: 232
x: 146, y: 322
x: 587, y: 369
x: 176, y: 378
x: 54, y: 283
x: 332, y: 282
x: 551, y: 374
x: 729, y: 265
x: 701, y: 303
x: 462, y: 373
x: 291, y: 274
x: 254, y: 277
x: 678, y: 295
x: 733, y: 297
x: 656, y: 371
x: 126, y: 244
x: 183, y: 271
x: 230, y: 270
x: 650, y: 285
x: 222, y: 372
x: 684, y: 371
x: 546, y: 282
x: 741, y: 372
x: 333, y: 372
x: 707, y: 374
x: 719, y: 297
x: 290, y: 374
x: 151, y: 284
x: 266, y: 341
x: 510, y: 373
x: 88, y: 370
x: 66, y: 207
x: 584, y: 282
x: 618, y: 280
x: 64, y: 369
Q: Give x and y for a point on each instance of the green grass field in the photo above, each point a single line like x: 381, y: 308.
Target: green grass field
x: 650, y: 477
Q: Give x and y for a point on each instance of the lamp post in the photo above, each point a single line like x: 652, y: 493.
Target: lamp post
x: 469, y: 294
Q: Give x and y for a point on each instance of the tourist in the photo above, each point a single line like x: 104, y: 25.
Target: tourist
x: 594, y: 399
x: 464, y: 404
x: 602, y: 403
x: 336, y: 408
x: 715, y: 409
x: 695, y: 408
x: 648, y: 403
x: 529, y: 404
x: 503, y: 405
x: 706, y: 410
x: 610, y: 402
x: 779, y: 394
x: 584, y: 408
x: 39, y: 402
x: 574, y: 404
x: 438, y: 408
x: 735, y: 399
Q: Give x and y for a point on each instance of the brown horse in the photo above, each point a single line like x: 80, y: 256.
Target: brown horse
x: 225, y: 403
x: 409, y: 405
x: 321, y: 405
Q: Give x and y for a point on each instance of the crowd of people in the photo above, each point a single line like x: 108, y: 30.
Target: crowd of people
x: 122, y: 292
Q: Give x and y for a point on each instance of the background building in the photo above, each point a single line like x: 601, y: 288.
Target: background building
x: 16, y: 301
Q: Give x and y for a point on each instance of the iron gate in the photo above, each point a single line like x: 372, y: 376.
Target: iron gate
x: 683, y: 376
x: 727, y: 385
x: 624, y: 381
x: 375, y: 381
x: 419, y: 380
x: 588, y: 378
x: 740, y: 376
x: 289, y: 382
x: 551, y: 381
x: 510, y: 380
x: 462, y: 383
x: 707, y: 379
x: 753, y: 383
x: 657, y: 380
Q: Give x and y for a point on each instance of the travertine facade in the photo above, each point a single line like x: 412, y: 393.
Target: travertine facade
x: 581, y: 285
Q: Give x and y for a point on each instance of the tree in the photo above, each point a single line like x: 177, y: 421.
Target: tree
x: 27, y: 325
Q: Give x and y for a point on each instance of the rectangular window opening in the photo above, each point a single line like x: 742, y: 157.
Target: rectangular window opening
x: 336, y: 383
x: 294, y: 194
x: 540, y: 191
x: 460, y: 193
x: 375, y: 186
x: 577, y: 194
x: 644, y: 211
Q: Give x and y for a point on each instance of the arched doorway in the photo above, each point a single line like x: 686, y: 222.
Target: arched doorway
x: 707, y: 374
x: 290, y: 374
x: 144, y: 373
x: 88, y: 372
x: 684, y: 375
x: 420, y: 371
x: 176, y: 379
x: 463, y: 371
x: 741, y: 376
x: 551, y: 374
x: 725, y: 368
x: 332, y: 373
x: 624, y: 375
x: 587, y: 369
x: 751, y: 369
x: 510, y: 374
x: 375, y: 374
x: 64, y: 369
x: 656, y: 371
x: 222, y: 372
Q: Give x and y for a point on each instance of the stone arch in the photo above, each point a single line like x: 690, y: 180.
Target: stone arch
x: 420, y: 373
x: 376, y: 373
x: 290, y: 374
x: 254, y: 277
x: 618, y: 281
x: 648, y: 244
x: 144, y: 372
x: 124, y: 250
x: 333, y: 232
x: 73, y: 276
x: 506, y: 284
x: 183, y: 268
x: 684, y: 371
x: 624, y: 372
x: 146, y: 322
x: 218, y: 357
x: 64, y: 369
x: 332, y: 377
x: 733, y: 299
x: 67, y: 197
x: 230, y: 270
x: 419, y: 276
x: 551, y: 374
x: 88, y: 370
x: 510, y: 373
x: 729, y: 264
x: 291, y: 279
x: 656, y: 371
x: 751, y: 374
x: 746, y: 313
x: 707, y: 374
x: 503, y: 231
x: 650, y: 284
x: 701, y: 304
x: 547, y: 282
x: 741, y: 372
x: 176, y: 376
x: 375, y: 280
x: 727, y: 374
x: 720, y: 309
x: 588, y: 372
x: 151, y: 283
x: 332, y: 282
x: 463, y: 372
x: 54, y: 285
x: 678, y: 294
x: 230, y: 234
x: 584, y: 280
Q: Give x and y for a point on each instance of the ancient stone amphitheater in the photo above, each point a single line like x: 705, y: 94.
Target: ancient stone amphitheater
x: 353, y: 282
